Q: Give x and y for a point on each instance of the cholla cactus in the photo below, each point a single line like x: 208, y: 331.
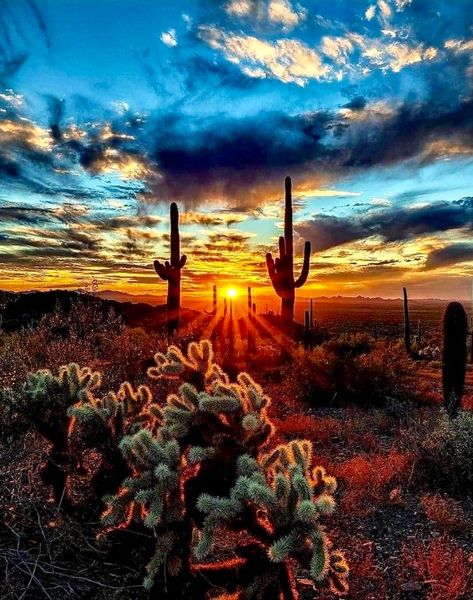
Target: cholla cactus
x: 236, y: 409
x: 196, y: 366
x: 47, y: 394
x: 101, y: 423
x: 46, y: 400
x: 203, y: 468
x: 152, y: 495
x: 181, y: 471
x: 114, y: 414
x: 287, y: 499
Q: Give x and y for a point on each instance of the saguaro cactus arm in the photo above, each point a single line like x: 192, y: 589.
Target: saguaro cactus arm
x: 305, y: 267
x: 170, y: 269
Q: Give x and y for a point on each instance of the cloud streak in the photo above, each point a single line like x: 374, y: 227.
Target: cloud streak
x: 395, y: 224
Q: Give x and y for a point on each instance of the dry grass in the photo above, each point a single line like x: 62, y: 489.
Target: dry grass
x: 371, y: 481
x: 441, y: 566
x: 446, y: 513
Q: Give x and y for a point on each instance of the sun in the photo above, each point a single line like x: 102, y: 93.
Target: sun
x: 232, y: 293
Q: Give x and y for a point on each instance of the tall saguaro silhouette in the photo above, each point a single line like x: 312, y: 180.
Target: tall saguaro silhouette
x: 170, y: 271
x: 281, y: 270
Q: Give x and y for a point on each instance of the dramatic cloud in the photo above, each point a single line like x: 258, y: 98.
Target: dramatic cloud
x: 243, y: 159
x: 392, y: 225
x: 370, y: 102
x: 449, y: 255
x: 288, y: 60
x: 388, y: 56
x: 268, y: 12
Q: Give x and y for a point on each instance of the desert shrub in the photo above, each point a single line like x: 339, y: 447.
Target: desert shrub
x: 350, y: 368
x: 446, y: 454
x: 370, y: 480
x: 308, y: 377
x: 181, y: 475
x: 320, y: 430
x: 380, y: 375
x: 441, y: 566
x: 446, y: 513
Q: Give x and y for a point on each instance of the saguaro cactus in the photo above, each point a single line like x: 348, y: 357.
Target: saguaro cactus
x: 170, y: 271
x: 455, y: 328
x: 249, y: 301
x: 214, y: 300
x: 307, y: 329
x: 281, y: 270
x: 407, y: 326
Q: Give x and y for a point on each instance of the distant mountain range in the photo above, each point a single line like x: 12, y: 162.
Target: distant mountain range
x: 19, y: 309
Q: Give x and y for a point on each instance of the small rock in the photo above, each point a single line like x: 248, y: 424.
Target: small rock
x: 411, y: 586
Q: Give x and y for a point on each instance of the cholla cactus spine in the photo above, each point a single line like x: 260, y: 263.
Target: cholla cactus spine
x: 290, y: 498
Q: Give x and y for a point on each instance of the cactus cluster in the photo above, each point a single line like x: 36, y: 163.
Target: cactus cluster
x: 192, y: 469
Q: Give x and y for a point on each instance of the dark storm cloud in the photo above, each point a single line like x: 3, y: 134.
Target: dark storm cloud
x: 392, y: 225
x: 241, y: 159
x: 25, y: 214
x: 357, y: 103
x: 450, y: 255
x: 238, y: 158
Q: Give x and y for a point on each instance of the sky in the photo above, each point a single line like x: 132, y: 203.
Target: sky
x: 112, y: 109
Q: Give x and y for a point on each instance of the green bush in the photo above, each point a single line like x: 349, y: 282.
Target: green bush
x: 446, y: 455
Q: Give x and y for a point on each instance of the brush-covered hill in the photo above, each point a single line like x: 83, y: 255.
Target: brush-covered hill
x: 26, y: 308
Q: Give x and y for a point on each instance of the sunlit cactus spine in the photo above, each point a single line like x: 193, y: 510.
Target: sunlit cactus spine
x: 280, y: 498
x: 455, y: 329
x: 407, y: 326
x: 281, y: 270
x: 170, y: 271
x: 100, y: 423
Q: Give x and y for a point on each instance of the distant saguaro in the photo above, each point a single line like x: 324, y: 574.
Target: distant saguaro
x: 281, y: 270
x: 214, y: 300
x: 249, y: 301
x: 170, y: 271
x: 407, y: 326
x: 455, y: 328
